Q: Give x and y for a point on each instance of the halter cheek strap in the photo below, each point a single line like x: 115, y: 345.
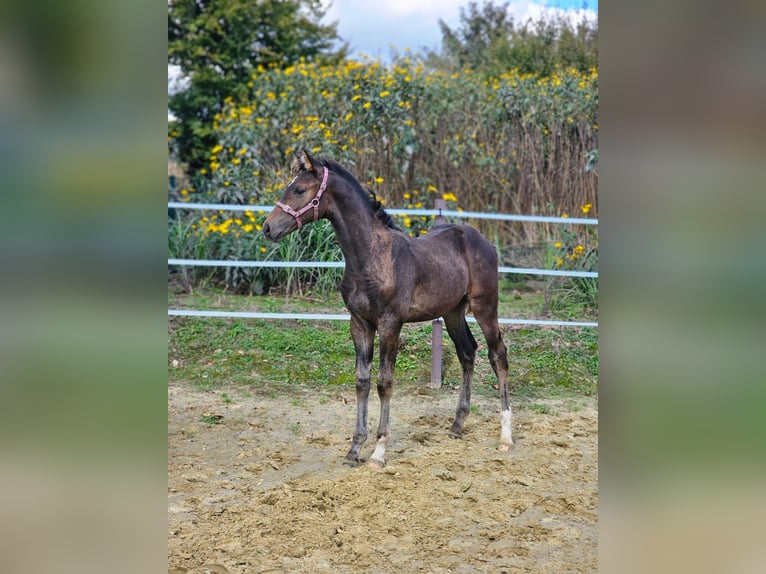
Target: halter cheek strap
x: 313, y: 203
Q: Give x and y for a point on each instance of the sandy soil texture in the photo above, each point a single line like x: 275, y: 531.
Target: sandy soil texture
x: 261, y: 487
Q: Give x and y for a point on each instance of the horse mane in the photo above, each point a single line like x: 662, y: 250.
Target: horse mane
x: 365, y: 191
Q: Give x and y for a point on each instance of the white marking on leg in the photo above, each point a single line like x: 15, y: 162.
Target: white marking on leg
x: 506, y: 420
x: 379, y: 453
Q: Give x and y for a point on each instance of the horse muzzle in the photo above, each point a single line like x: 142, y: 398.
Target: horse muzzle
x: 273, y: 232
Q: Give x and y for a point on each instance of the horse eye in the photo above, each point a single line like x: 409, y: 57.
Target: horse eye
x: 299, y: 191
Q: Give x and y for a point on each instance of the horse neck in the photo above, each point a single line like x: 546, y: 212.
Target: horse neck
x: 353, y: 222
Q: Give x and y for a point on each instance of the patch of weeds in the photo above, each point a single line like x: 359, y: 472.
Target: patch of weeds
x: 294, y: 428
x: 573, y: 406
x: 540, y: 409
x: 323, y: 400
x: 212, y: 419
x: 225, y: 398
x: 475, y: 409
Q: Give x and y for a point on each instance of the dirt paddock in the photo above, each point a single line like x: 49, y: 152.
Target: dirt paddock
x: 259, y: 486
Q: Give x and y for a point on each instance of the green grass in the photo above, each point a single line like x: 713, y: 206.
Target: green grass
x: 271, y: 358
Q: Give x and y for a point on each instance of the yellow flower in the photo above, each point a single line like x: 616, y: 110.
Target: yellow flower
x: 349, y: 115
x: 384, y: 93
x: 559, y: 261
x: 247, y: 228
x: 586, y: 208
x: 366, y: 105
x: 379, y: 179
x: 564, y: 215
x: 557, y: 245
x: 263, y: 249
x: 579, y: 249
x: 406, y: 195
x: 449, y: 197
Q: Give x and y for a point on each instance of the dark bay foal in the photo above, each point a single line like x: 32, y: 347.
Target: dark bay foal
x: 391, y: 279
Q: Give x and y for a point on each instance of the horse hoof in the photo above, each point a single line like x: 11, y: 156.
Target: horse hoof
x: 376, y: 464
x: 352, y: 461
x: 453, y: 434
x: 504, y: 447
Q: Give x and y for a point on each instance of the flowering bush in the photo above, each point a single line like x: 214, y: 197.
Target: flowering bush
x: 515, y: 144
x: 573, y: 251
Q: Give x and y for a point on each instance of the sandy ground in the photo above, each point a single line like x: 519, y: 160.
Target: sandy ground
x: 265, y: 490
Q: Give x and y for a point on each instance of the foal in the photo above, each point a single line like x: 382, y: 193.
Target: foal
x: 391, y: 279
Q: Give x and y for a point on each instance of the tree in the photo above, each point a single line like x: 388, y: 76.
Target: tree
x: 218, y: 44
x: 482, y: 40
x: 489, y: 41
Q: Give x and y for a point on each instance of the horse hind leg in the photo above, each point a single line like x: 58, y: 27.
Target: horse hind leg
x: 465, y: 346
x: 486, y: 316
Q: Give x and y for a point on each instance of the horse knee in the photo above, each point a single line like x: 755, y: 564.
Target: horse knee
x: 467, y: 357
x: 385, y: 387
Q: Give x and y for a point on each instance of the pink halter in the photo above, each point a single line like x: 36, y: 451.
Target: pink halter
x: 313, y: 203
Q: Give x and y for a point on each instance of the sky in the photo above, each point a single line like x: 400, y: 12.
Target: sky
x: 372, y: 28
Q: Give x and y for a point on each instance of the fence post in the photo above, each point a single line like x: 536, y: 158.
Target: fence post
x: 436, y: 324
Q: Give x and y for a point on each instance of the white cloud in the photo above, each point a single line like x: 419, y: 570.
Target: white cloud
x: 523, y: 10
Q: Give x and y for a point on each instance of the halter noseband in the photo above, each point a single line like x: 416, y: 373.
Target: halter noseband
x: 313, y: 203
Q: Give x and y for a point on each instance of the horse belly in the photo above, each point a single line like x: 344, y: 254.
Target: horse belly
x: 432, y: 300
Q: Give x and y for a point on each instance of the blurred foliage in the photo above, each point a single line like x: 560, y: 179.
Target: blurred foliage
x: 218, y: 44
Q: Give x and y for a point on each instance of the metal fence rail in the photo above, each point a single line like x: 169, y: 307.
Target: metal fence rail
x: 425, y: 212
x: 340, y: 264
x: 346, y: 317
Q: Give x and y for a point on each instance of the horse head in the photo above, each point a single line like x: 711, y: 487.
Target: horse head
x: 301, y: 202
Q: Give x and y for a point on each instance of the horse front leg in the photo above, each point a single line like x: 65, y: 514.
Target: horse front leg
x: 363, y: 335
x: 389, y: 347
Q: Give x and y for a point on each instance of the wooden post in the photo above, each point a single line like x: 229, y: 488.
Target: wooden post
x: 436, y: 354
x: 436, y: 325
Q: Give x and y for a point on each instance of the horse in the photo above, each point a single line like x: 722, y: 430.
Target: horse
x: 390, y: 279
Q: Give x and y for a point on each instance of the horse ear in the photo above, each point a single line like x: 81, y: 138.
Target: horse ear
x: 295, y: 165
x: 302, y: 162
x: 310, y: 163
